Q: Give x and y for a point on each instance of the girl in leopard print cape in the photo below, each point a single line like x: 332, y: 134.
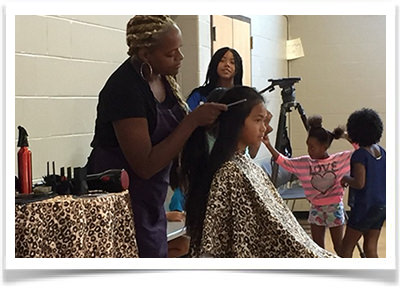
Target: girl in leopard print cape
x: 233, y: 209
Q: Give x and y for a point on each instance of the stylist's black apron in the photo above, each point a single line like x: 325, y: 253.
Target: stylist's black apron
x: 147, y: 196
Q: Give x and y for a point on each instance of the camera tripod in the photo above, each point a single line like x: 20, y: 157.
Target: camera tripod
x: 289, y: 104
x: 283, y: 145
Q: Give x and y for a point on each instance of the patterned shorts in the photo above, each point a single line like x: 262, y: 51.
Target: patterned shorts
x: 327, y: 215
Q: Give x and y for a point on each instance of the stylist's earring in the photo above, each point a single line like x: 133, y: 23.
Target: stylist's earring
x: 148, y: 67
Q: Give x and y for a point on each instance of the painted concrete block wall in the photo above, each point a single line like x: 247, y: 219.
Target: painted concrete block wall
x: 344, y: 69
x: 196, y: 49
x: 269, y: 33
x: 61, y: 63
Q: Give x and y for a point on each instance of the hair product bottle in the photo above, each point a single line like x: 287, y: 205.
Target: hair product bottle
x: 24, y: 162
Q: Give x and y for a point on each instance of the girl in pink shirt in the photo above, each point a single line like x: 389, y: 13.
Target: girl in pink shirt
x: 320, y: 175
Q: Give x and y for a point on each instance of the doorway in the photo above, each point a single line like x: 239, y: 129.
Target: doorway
x: 235, y: 32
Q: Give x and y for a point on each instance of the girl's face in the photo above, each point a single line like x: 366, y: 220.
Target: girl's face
x: 166, y: 57
x: 254, y: 128
x: 316, y: 150
x: 226, y: 66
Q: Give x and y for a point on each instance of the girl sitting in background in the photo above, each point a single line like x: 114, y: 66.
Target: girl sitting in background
x: 320, y: 175
x: 233, y: 209
x: 225, y: 70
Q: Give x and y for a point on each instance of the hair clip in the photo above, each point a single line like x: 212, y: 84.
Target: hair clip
x: 236, y: 102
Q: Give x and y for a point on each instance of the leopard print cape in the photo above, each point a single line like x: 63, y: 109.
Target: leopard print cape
x: 246, y: 217
x: 68, y: 227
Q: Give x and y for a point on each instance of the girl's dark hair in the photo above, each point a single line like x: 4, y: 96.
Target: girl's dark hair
x: 365, y: 127
x: 324, y: 136
x: 175, y: 174
x: 199, y: 167
x: 212, y: 77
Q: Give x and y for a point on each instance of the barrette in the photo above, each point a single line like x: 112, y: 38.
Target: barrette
x: 236, y: 102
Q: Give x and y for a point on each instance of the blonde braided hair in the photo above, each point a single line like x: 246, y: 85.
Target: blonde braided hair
x: 177, y: 92
x: 146, y: 31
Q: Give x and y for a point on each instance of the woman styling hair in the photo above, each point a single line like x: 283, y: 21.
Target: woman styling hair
x: 142, y: 123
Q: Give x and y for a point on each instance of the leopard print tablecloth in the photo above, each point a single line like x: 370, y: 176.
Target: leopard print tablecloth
x: 68, y: 227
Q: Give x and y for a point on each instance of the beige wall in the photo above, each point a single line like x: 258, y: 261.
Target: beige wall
x: 343, y: 70
x: 269, y: 35
x: 61, y: 63
x: 196, y: 49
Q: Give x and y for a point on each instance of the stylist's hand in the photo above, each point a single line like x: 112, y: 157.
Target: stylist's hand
x: 207, y: 113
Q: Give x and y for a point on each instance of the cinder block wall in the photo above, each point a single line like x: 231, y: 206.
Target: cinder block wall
x: 269, y: 33
x: 196, y: 49
x: 61, y: 63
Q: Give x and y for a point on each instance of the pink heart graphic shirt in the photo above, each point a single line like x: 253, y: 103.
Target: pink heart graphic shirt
x: 320, y: 178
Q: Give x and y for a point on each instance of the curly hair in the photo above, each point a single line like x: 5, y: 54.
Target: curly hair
x: 324, y: 136
x: 365, y: 127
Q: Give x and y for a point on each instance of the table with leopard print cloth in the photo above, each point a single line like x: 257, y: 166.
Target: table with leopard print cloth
x: 70, y: 227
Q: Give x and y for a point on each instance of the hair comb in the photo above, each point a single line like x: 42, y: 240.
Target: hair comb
x: 236, y: 103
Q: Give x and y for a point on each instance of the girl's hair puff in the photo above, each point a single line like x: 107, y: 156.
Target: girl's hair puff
x: 324, y: 136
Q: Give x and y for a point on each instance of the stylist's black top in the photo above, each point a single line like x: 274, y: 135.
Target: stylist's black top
x: 127, y: 95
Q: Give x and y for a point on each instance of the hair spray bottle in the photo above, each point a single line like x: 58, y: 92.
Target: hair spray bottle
x: 24, y: 162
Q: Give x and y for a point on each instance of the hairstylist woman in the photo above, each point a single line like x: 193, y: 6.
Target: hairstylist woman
x: 142, y: 124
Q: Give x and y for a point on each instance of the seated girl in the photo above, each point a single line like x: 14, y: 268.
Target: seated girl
x: 233, y: 209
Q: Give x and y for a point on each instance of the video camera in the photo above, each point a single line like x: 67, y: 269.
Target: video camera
x: 287, y: 86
